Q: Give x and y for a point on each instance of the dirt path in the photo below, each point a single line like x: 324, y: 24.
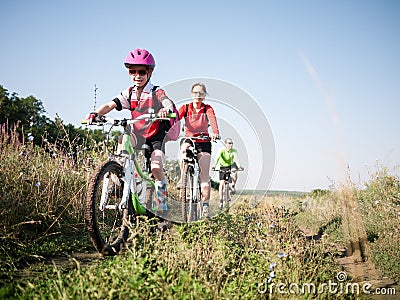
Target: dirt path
x: 364, y: 273
x: 70, y: 261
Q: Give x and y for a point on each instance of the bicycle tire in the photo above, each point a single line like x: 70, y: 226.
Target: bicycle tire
x: 227, y: 195
x: 183, y: 191
x: 193, y: 211
x: 106, y: 228
x: 192, y: 206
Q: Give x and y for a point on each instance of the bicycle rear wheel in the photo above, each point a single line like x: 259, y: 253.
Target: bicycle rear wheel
x: 104, y: 219
x: 193, y: 207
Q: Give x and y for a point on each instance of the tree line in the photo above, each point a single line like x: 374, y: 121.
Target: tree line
x: 27, y: 117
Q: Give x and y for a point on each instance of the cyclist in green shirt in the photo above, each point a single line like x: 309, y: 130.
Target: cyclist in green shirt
x: 227, y: 159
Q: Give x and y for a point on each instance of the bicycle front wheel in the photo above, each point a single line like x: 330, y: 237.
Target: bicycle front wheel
x: 227, y: 195
x: 104, y: 218
x: 189, y: 195
x: 185, y: 191
x: 196, y: 206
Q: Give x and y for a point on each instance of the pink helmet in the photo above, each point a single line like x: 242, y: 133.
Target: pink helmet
x: 140, y: 57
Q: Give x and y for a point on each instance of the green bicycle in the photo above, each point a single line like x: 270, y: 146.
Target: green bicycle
x: 119, y: 191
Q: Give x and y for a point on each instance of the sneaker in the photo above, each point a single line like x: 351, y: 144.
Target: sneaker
x: 206, y: 212
x: 161, y: 192
x: 221, y: 205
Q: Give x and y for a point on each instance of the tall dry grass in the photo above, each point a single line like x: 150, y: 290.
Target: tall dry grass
x: 354, y: 232
x: 363, y: 221
x: 42, y: 196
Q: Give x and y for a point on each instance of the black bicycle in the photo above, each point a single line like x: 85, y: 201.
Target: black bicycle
x: 227, y: 189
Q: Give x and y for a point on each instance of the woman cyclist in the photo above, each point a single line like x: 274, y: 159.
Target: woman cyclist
x: 198, y: 116
x: 139, y: 99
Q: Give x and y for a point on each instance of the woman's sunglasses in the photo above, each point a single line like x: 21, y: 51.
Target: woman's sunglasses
x: 201, y: 94
x: 140, y: 72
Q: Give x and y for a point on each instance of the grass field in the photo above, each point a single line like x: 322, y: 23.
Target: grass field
x: 287, y: 239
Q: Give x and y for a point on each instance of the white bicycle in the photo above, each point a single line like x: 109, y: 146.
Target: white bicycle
x: 190, y: 189
x: 120, y: 189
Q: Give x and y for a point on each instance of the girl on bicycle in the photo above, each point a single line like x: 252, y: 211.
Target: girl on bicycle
x: 198, y: 116
x: 139, y: 99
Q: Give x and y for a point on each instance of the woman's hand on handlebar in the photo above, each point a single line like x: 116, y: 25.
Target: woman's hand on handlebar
x: 214, y: 137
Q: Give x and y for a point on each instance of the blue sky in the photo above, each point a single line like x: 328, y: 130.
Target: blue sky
x: 325, y: 73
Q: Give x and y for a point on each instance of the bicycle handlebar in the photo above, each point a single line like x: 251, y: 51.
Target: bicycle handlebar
x: 201, y: 137
x: 103, y: 120
x: 228, y: 170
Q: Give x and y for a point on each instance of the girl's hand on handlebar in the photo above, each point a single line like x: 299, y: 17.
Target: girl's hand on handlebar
x: 163, y: 113
x: 90, y: 117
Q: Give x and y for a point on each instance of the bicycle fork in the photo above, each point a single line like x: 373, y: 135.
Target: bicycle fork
x: 128, y: 180
x: 129, y: 187
x: 104, y: 193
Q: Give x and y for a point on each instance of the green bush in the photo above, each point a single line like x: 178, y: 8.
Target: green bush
x: 380, y: 206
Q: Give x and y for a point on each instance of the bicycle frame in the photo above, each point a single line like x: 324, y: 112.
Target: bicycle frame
x: 130, y: 166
